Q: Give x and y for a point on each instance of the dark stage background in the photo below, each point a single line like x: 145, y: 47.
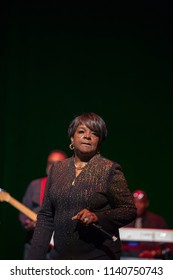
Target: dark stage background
x: 58, y: 61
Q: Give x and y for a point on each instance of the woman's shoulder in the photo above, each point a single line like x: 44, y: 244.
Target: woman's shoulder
x: 108, y: 162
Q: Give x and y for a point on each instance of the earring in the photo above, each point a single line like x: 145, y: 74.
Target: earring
x: 71, y: 146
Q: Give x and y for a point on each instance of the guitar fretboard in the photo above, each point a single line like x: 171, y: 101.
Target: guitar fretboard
x: 22, y: 208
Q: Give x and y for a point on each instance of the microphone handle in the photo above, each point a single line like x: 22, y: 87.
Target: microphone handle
x: 113, y: 237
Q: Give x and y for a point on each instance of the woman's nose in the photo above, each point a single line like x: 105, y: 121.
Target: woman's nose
x: 87, y: 134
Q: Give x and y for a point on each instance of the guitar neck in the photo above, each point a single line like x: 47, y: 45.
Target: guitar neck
x: 22, y: 208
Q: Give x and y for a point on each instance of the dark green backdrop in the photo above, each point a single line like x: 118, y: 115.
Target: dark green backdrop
x: 57, y: 62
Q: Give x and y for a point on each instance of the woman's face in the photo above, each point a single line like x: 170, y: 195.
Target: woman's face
x: 85, y: 140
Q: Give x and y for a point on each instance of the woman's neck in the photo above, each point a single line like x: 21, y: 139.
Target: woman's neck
x: 82, y: 158
x: 79, y: 164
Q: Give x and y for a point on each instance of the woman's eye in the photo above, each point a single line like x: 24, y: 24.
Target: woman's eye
x: 93, y: 132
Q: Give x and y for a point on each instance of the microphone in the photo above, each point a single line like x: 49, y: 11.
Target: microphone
x: 113, y: 237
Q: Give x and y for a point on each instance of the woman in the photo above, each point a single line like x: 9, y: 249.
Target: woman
x: 86, y: 194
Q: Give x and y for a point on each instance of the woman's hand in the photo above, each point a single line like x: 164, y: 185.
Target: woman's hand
x: 85, y: 216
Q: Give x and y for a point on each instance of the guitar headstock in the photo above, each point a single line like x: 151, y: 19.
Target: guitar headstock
x: 4, y: 196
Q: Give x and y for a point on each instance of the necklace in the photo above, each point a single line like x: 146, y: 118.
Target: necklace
x: 73, y: 183
x: 79, y: 167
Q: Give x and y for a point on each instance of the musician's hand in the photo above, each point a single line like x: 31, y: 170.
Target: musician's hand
x: 85, y: 216
x: 29, y: 225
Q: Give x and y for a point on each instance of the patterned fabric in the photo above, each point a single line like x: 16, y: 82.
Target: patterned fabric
x: 101, y: 187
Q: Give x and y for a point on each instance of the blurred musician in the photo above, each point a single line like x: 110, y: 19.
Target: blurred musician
x: 145, y: 219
